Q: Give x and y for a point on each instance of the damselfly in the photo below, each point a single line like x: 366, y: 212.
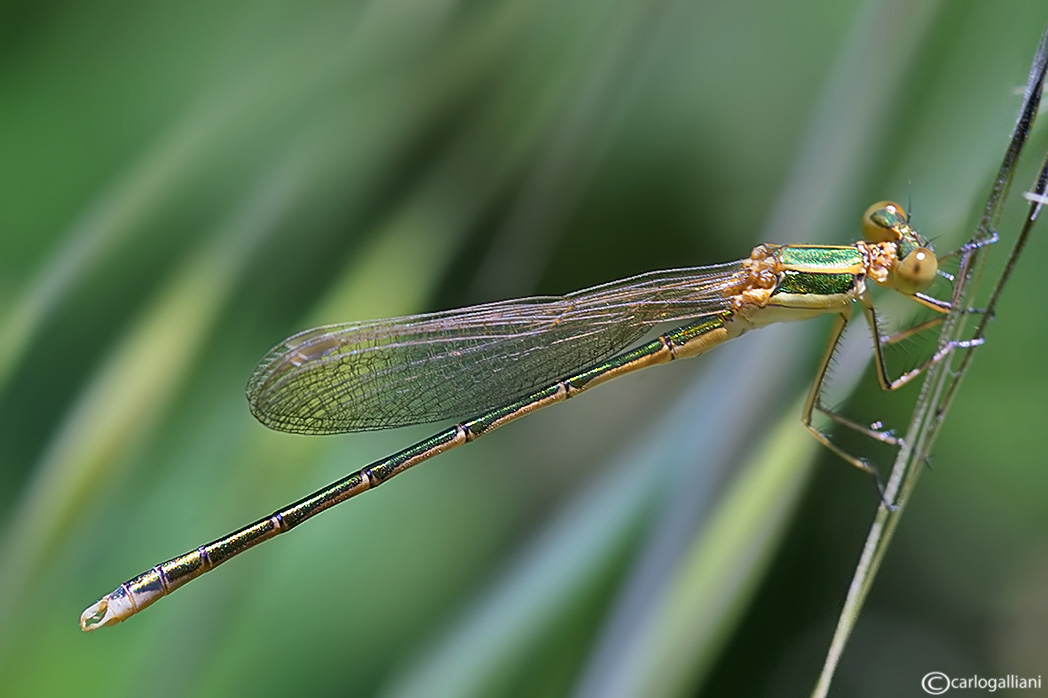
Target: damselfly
x: 501, y: 361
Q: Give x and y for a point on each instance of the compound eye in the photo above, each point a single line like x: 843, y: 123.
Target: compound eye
x: 916, y: 271
x: 880, y: 221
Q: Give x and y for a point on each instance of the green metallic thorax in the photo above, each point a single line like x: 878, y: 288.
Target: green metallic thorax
x: 815, y: 283
x: 818, y: 270
x: 821, y: 259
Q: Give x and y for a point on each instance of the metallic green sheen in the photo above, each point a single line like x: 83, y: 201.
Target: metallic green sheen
x: 687, y: 333
x: 484, y: 422
x: 803, y: 282
x: 826, y: 257
x: 905, y: 247
x: 384, y: 469
x: 888, y: 219
x: 581, y: 380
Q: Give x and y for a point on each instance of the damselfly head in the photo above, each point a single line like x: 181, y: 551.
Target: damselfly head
x: 916, y: 265
x: 915, y: 271
x: 885, y: 221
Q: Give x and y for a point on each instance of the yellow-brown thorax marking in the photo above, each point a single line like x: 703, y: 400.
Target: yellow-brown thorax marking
x: 795, y: 282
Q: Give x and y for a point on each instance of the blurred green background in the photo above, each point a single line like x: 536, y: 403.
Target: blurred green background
x: 185, y: 184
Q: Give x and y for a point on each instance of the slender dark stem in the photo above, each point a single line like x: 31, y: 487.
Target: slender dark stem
x: 943, y: 379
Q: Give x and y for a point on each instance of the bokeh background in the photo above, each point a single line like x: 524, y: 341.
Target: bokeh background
x: 185, y: 184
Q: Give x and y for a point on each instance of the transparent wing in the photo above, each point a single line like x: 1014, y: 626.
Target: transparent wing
x: 457, y: 363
